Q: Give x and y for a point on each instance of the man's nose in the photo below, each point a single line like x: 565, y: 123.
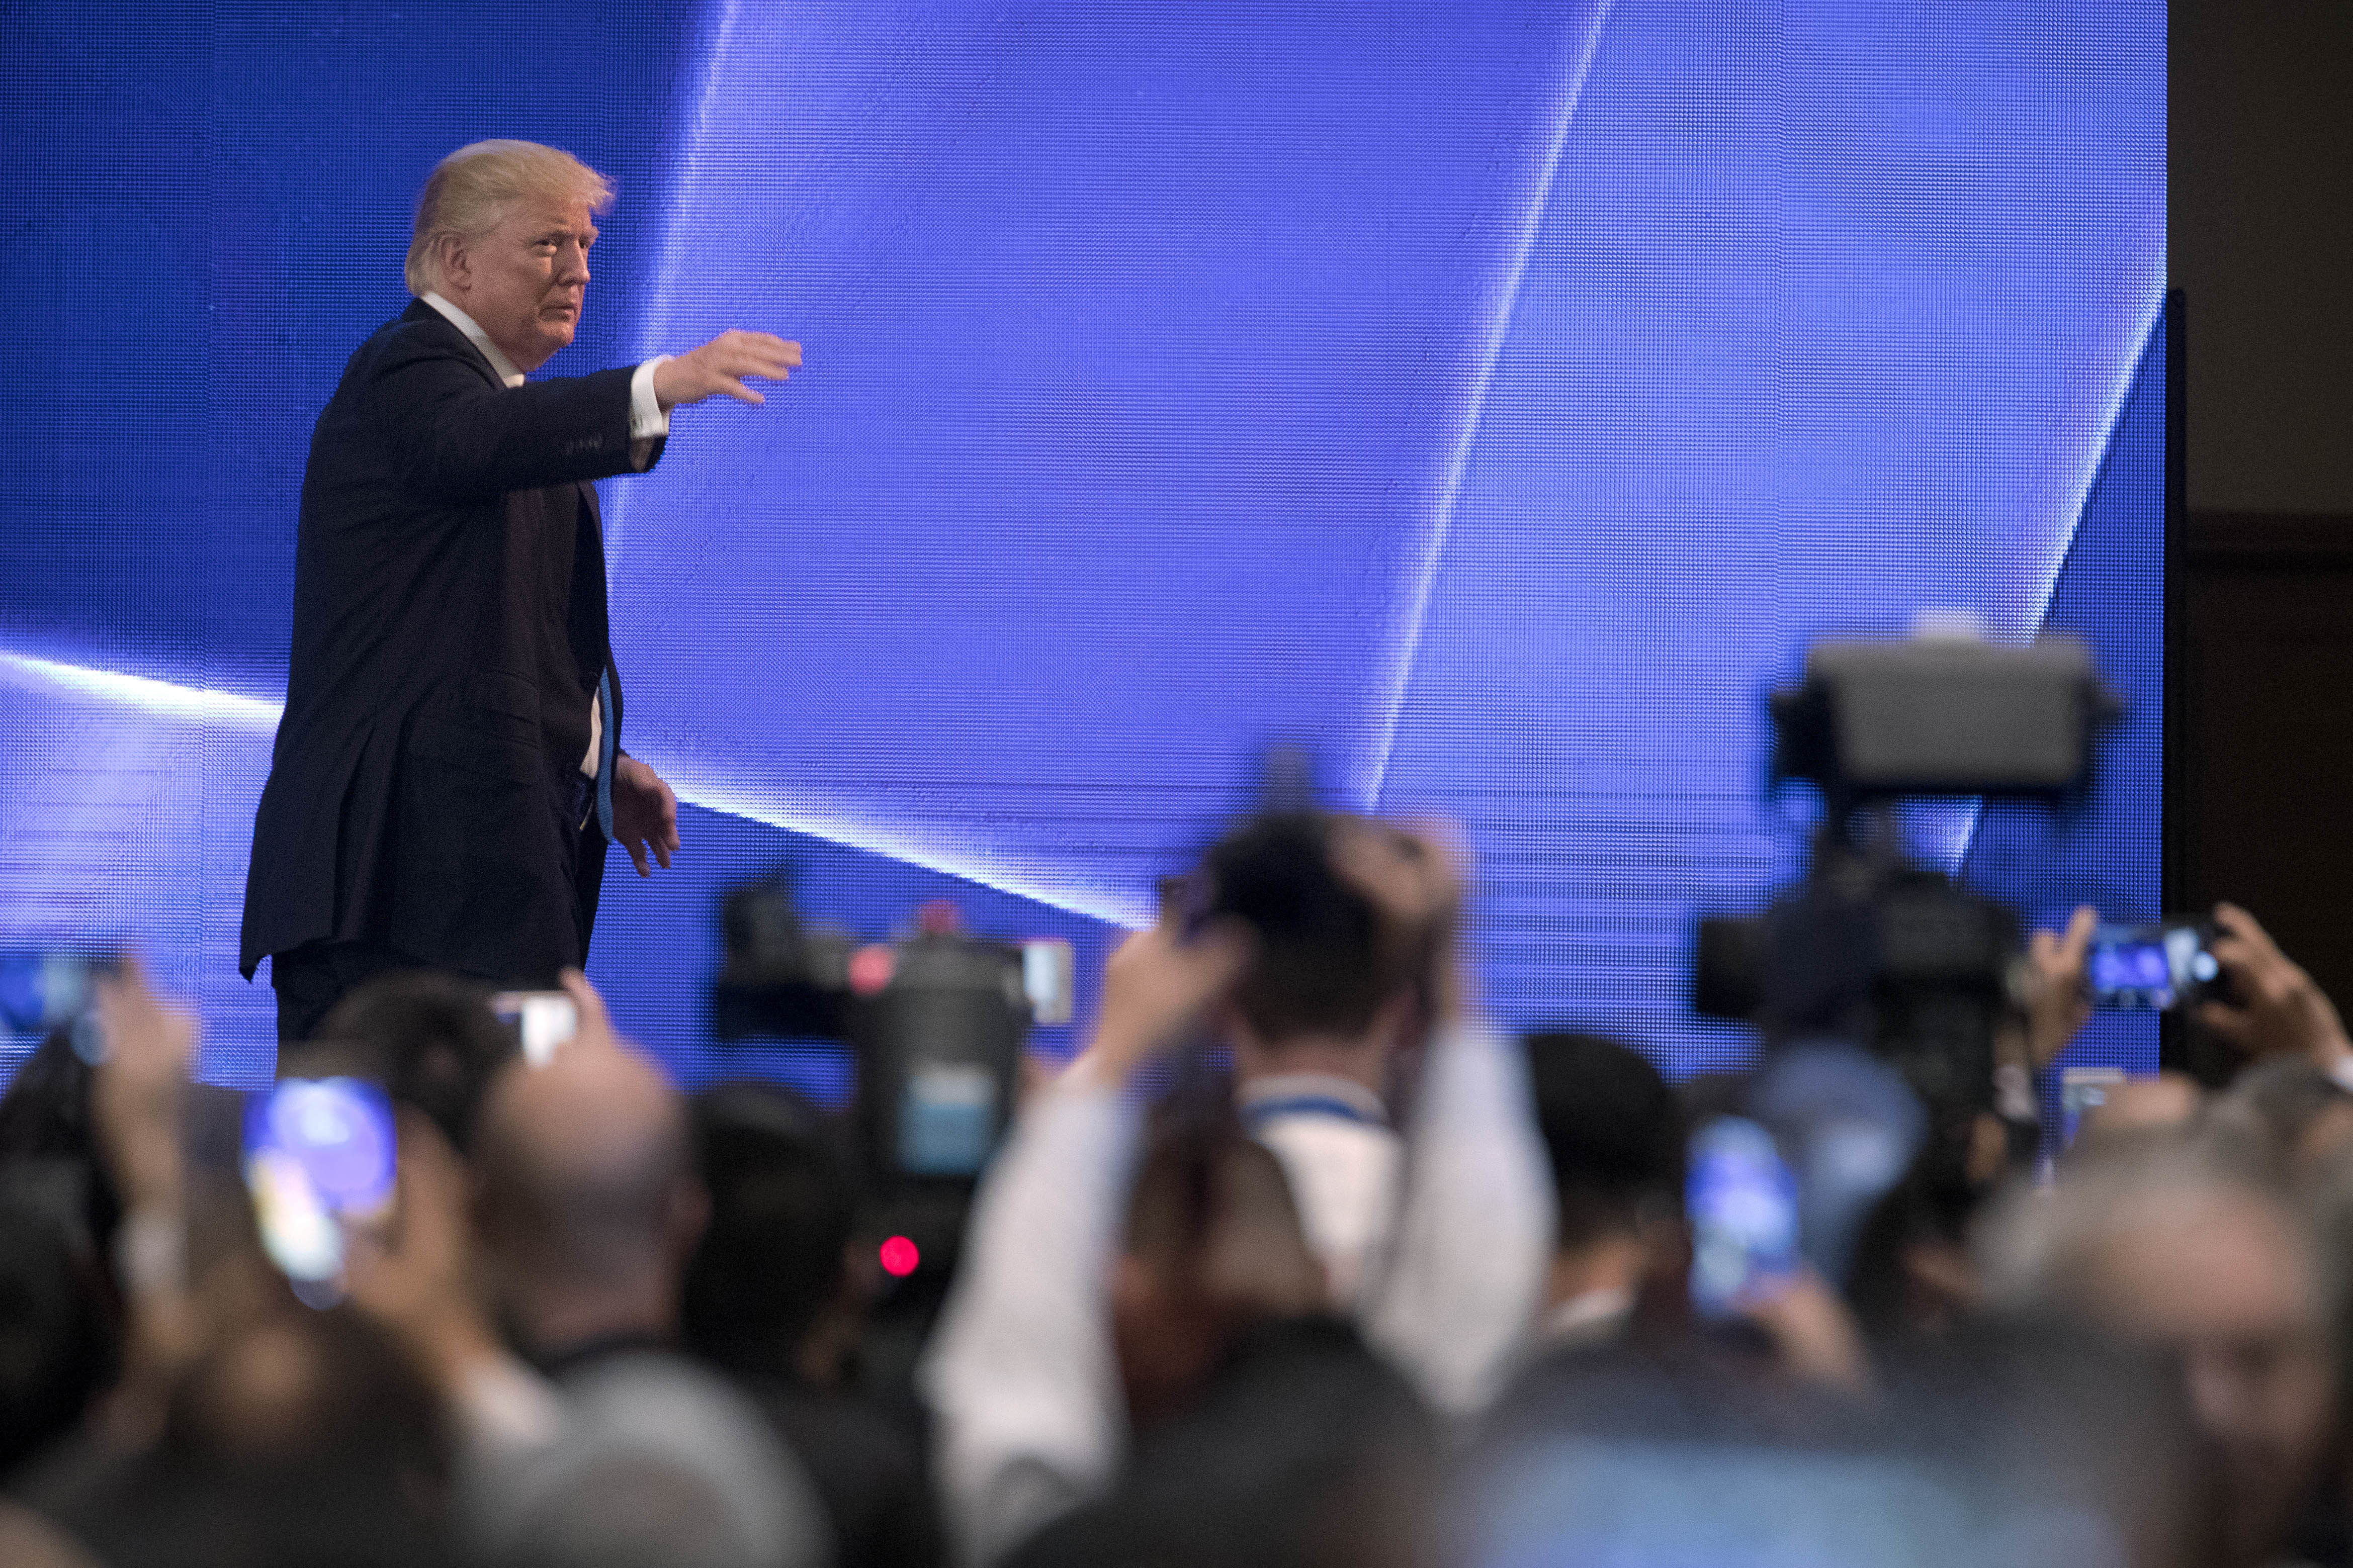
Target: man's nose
x: 575, y: 263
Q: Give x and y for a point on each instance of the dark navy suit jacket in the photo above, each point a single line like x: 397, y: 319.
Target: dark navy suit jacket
x: 409, y: 792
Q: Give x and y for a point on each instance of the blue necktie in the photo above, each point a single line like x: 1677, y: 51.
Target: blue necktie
x: 608, y: 747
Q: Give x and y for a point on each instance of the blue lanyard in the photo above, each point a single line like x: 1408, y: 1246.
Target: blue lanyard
x: 1257, y: 1115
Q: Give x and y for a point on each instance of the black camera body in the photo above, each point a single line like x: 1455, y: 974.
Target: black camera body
x: 1871, y: 947
x: 936, y: 1020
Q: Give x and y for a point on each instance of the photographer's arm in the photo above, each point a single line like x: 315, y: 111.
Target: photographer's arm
x: 1022, y: 1377
x: 414, y: 1277
x: 1474, y: 1230
x: 2060, y: 1004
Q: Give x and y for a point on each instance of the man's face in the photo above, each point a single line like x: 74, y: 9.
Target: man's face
x: 525, y: 281
x: 2226, y: 1282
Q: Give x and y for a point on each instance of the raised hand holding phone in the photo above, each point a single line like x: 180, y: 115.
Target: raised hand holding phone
x: 320, y: 1158
x: 2272, y: 1010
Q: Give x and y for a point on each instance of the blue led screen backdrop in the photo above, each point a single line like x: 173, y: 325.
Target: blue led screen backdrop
x: 1493, y: 395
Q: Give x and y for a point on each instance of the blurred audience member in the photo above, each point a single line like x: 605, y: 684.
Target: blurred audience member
x: 2269, y: 1009
x: 618, y: 1450
x: 56, y: 1349
x: 2174, y: 1248
x: 1615, y: 1137
x: 1053, y: 1394
x: 771, y: 1300
x: 30, y: 1541
x: 1265, y: 1431
x: 2293, y: 1118
x: 51, y: 1160
x: 430, y: 1039
x: 298, y: 1438
x: 1437, y: 1242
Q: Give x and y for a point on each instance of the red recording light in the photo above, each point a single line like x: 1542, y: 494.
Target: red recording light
x: 869, y: 969
x: 900, y: 1257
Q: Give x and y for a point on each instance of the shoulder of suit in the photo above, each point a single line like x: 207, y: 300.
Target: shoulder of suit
x: 421, y: 335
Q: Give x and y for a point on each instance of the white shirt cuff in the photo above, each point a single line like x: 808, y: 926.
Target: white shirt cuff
x: 647, y: 417
x: 649, y: 420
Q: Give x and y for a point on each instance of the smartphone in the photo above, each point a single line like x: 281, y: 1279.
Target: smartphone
x: 320, y: 1155
x: 2152, y: 968
x: 42, y: 989
x: 541, y: 1021
x: 1049, y: 978
x: 1742, y: 1201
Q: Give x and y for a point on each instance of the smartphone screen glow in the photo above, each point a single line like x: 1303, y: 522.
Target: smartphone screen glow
x: 319, y: 1154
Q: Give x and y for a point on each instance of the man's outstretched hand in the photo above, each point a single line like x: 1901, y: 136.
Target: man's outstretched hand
x: 722, y: 365
x: 645, y: 814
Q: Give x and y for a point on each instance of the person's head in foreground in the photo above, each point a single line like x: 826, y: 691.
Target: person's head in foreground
x: 590, y: 1204
x: 1330, y: 988
x: 1613, y: 1131
x: 2171, y: 1247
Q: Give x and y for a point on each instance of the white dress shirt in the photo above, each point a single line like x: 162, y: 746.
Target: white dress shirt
x: 1022, y: 1374
x: 1333, y: 1138
x: 648, y: 423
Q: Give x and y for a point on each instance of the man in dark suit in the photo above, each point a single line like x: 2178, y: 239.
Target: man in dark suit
x: 449, y: 773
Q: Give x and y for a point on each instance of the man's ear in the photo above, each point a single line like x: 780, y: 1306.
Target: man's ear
x: 453, y: 264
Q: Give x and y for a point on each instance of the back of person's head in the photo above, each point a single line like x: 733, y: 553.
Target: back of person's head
x: 585, y: 1168
x: 430, y: 1037
x: 2186, y: 1248
x: 2080, y: 1245
x: 471, y: 189
x: 1613, y: 1131
x: 296, y: 1389
x: 306, y: 1437
x: 1214, y: 1248
x: 660, y: 1465
x: 1321, y: 966
x: 56, y: 1349
x: 774, y: 1259
x: 2292, y: 1116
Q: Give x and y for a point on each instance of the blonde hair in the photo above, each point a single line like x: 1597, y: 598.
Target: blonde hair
x: 470, y: 190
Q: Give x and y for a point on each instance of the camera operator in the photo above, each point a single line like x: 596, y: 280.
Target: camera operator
x: 1026, y: 1374
x: 1437, y: 1241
